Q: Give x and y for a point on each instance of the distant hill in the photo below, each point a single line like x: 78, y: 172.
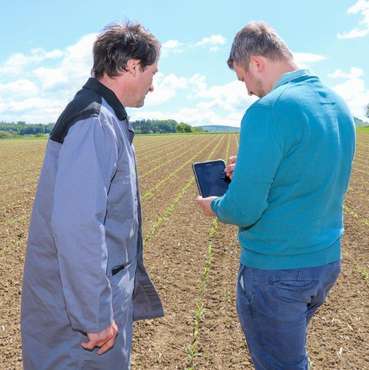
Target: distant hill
x: 219, y: 128
x: 360, y: 122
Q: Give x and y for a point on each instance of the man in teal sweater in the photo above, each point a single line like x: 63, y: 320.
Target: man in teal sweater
x: 288, y: 185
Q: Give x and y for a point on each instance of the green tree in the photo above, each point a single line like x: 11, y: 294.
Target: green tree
x: 197, y: 129
x: 6, y: 134
x: 184, y: 127
x: 22, y: 128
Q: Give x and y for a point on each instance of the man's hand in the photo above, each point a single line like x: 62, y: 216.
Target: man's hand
x: 105, y: 339
x: 204, y: 204
x: 230, y: 166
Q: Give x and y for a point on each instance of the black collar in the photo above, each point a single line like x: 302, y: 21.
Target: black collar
x: 108, y: 95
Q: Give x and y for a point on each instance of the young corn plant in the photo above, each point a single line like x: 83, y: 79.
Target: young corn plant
x: 150, y: 193
x: 192, y: 349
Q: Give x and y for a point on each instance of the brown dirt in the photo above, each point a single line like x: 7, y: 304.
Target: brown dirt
x: 176, y: 255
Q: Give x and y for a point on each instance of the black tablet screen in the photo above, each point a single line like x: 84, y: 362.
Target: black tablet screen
x: 211, y: 178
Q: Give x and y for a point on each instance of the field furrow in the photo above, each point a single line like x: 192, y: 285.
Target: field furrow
x: 193, y: 261
x: 160, y: 344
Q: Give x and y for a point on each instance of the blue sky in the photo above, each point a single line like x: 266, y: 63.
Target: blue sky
x: 45, y: 53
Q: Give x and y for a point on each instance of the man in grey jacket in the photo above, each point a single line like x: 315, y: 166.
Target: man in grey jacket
x: 84, y: 281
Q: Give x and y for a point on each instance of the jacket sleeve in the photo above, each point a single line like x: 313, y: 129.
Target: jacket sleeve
x: 259, y: 155
x: 86, y: 164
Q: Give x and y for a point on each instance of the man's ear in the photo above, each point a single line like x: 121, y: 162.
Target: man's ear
x: 133, y: 66
x: 257, y: 63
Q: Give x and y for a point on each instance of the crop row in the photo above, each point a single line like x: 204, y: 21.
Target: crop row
x: 25, y: 180
x: 192, y: 350
x: 179, y: 153
x: 17, y: 212
x: 150, y: 193
x: 155, y: 147
x: 23, y: 170
x: 168, y: 211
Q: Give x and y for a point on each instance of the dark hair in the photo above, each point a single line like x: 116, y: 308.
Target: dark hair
x: 257, y: 38
x: 120, y: 42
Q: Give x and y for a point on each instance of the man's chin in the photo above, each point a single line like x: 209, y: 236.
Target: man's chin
x: 136, y: 105
x: 140, y: 104
x: 258, y: 94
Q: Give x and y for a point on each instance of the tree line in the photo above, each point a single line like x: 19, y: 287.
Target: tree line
x: 148, y: 126
x: 151, y: 126
x: 21, y: 128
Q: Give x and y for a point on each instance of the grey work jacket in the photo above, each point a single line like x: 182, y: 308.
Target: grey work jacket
x: 84, y: 263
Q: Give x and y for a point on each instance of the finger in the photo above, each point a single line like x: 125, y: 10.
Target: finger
x: 108, y: 345
x: 230, y: 168
x: 199, y: 199
x: 90, y: 345
x: 106, y: 339
x: 232, y: 159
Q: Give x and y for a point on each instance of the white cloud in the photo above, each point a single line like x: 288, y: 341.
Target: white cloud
x: 212, y: 40
x: 195, y: 116
x: 205, y: 104
x: 171, y: 44
x: 199, y: 82
x: 20, y: 88
x: 352, y: 90
x: 73, y: 69
x: 165, y: 88
x: 354, y: 73
x: 353, y: 34
x: 229, y: 97
x: 16, y: 63
x: 172, y: 47
x: 213, y: 49
x: 35, y: 109
x: 303, y: 60
x: 44, y: 91
x: 51, y: 78
x: 361, y: 7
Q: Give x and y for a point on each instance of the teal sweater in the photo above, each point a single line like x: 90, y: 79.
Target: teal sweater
x: 292, y: 171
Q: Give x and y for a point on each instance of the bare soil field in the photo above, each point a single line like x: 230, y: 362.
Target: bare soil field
x: 192, y: 260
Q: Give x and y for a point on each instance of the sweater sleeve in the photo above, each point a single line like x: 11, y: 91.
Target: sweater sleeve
x: 259, y: 155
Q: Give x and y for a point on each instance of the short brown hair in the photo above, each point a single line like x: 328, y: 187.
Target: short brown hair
x: 257, y: 38
x: 120, y: 42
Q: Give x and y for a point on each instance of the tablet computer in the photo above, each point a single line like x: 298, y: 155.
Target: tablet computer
x: 210, y: 177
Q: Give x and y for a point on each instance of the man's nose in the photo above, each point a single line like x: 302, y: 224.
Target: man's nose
x: 151, y: 89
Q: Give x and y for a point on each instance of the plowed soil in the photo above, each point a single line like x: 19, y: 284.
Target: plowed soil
x: 193, y: 262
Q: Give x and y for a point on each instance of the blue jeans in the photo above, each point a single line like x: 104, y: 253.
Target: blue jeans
x: 275, y: 307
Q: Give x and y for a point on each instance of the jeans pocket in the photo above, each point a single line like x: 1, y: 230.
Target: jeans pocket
x: 244, y: 286
x: 294, y: 292
x: 293, y: 284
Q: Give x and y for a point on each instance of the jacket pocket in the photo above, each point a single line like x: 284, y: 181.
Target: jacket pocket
x: 116, y: 269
